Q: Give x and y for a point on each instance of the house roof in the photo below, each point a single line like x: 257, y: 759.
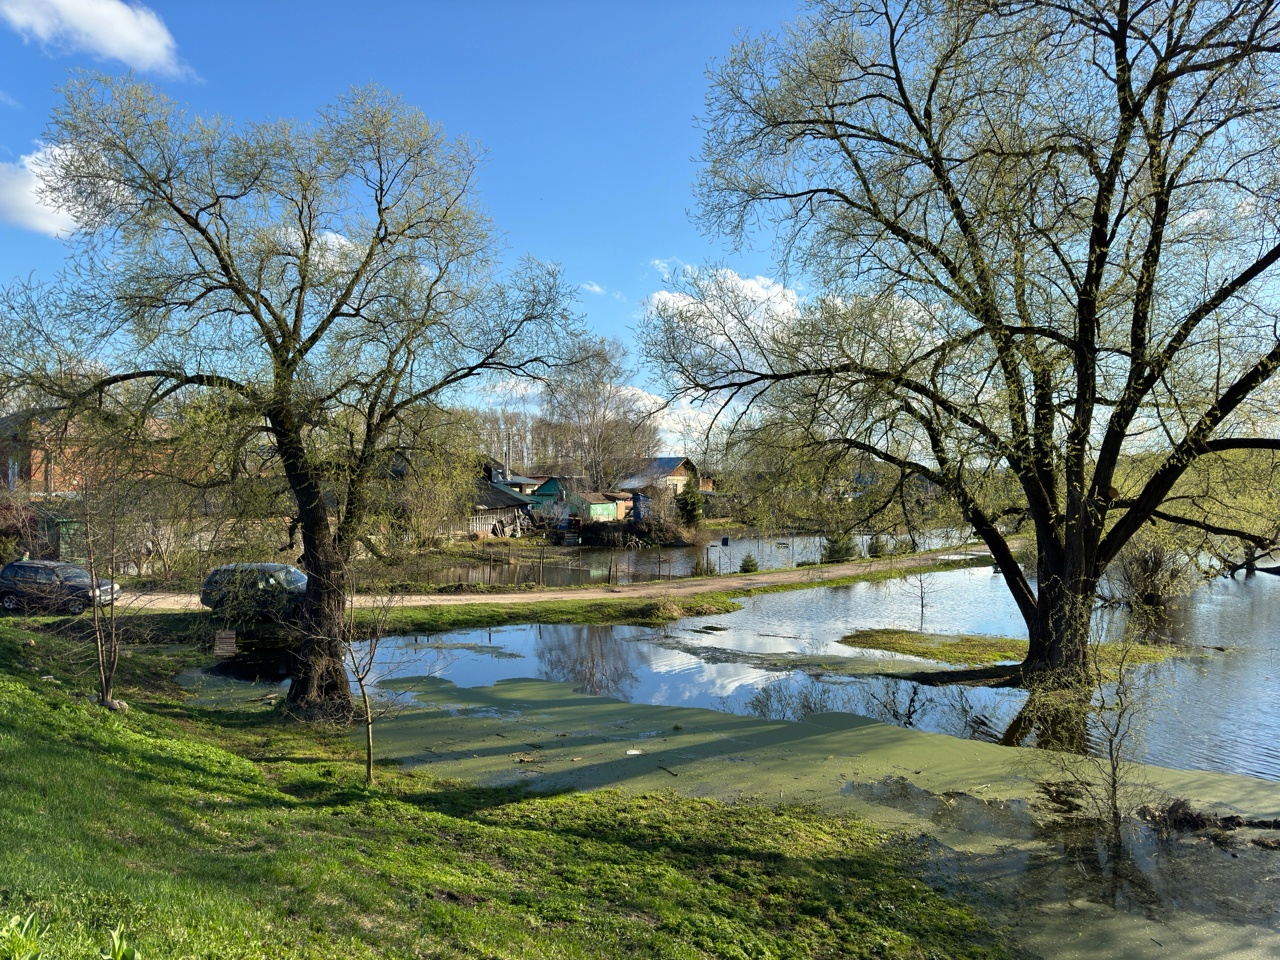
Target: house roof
x: 655, y: 470
x: 494, y: 496
x: 592, y: 497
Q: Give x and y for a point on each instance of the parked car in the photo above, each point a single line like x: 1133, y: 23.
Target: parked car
x: 245, y: 592
x: 52, y: 585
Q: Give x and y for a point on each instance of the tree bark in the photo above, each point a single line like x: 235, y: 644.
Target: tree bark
x: 320, y: 689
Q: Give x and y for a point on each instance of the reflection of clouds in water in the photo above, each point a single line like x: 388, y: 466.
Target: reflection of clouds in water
x: 978, y: 713
x: 1217, y: 712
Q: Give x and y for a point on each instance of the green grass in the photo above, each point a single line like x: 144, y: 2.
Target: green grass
x: 971, y: 650
x: 231, y: 833
x: 962, y: 649
x: 645, y: 611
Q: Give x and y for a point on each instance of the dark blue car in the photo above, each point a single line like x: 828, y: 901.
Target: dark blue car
x: 52, y: 585
x: 244, y: 592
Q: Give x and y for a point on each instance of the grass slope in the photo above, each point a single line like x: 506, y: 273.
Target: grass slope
x: 977, y: 650
x: 234, y: 834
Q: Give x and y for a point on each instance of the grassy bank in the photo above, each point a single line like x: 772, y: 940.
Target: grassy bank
x: 644, y: 611
x: 232, y: 833
x: 971, y: 650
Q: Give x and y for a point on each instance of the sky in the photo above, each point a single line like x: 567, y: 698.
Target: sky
x: 587, y: 110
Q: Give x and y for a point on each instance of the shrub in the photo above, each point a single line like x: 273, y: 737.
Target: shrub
x: 689, y: 505
x: 839, y: 548
x: 749, y: 564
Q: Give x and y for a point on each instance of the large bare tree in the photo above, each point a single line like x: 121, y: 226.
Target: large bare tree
x: 318, y: 283
x: 1041, y: 234
x: 605, y: 427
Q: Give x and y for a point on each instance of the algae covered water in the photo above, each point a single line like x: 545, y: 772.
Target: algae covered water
x: 1215, y: 709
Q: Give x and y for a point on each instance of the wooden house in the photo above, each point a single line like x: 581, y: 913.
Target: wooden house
x: 593, y: 506
x: 665, y: 474
x: 498, y: 511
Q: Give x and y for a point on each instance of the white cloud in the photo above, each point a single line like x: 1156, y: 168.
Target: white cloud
x: 8, y: 101
x: 619, y: 296
x: 727, y: 298
x: 128, y: 32
x: 19, y: 203
x: 591, y: 287
x: 665, y: 268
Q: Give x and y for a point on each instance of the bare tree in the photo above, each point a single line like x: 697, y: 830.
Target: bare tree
x: 316, y: 283
x: 1041, y: 234
x: 607, y: 426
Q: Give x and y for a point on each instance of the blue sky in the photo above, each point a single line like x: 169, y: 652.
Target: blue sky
x: 587, y: 109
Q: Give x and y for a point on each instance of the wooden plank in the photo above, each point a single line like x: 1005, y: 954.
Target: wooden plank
x: 224, y: 643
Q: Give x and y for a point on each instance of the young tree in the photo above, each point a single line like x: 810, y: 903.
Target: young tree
x: 1041, y: 232
x: 317, y: 282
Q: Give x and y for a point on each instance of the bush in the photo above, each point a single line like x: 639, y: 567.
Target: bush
x: 10, y: 549
x: 749, y: 564
x: 839, y: 548
x: 877, y: 546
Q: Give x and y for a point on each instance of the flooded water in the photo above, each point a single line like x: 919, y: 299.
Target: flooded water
x: 779, y: 656
x: 496, y: 565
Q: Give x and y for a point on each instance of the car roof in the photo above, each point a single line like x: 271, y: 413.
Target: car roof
x: 251, y: 567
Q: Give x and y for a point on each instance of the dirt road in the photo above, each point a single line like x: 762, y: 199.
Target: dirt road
x: 685, y: 586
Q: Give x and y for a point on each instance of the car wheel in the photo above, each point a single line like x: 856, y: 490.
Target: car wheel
x: 75, y: 607
x: 9, y: 602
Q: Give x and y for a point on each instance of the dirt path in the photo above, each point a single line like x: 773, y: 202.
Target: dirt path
x: 685, y: 586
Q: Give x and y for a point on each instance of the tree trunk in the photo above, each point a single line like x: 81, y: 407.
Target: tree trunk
x: 320, y: 689
x: 1059, y: 629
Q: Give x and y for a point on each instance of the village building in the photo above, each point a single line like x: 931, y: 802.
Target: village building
x: 670, y: 475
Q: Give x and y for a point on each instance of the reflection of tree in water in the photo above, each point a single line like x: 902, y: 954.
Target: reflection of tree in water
x: 952, y: 709
x: 591, y: 658
x: 1093, y: 862
x: 784, y: 699
x: 1052, y: 720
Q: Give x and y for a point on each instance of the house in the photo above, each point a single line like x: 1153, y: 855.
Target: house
x: 499, y: 472
x: 554, y: 489
x: 31, y: 455
x: 498, y: 511
x: 593, y: 506
x: 665, y: 474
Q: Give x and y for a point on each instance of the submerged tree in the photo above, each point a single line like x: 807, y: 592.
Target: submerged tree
x: 318, y: 283
x: 1041, y: 233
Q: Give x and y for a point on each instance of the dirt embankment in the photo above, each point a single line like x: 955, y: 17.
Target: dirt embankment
x: 685, y: 586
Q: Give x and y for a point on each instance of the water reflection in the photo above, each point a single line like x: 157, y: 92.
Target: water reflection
x: 591, y: 658
x: 1060, y: 860
x: 1212, y: 710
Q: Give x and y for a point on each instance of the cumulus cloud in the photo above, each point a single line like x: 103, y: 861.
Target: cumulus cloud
x: 112, y: 29
x: 726, y: 298
x: 591, y: 287
x: 19, y: 202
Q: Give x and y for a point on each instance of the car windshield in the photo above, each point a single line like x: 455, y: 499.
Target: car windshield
x: 292, y: 577
x: 75, y: 575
